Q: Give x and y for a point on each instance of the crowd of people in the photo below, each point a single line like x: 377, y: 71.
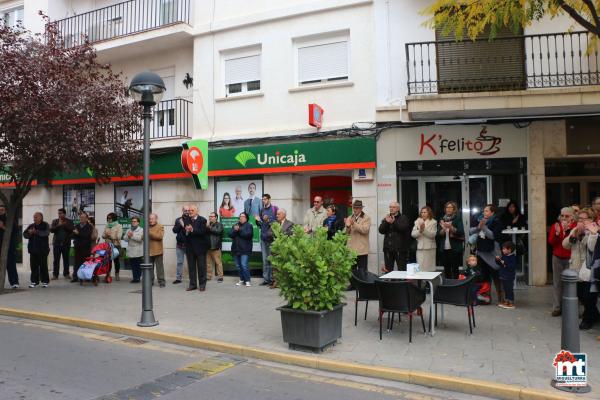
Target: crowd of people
x: 573, y: 239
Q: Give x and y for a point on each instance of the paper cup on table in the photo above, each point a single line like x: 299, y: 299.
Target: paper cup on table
x: 412, y: 268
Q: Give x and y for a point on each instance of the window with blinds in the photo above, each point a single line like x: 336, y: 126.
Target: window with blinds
x: 323, y: 62
x: 242, y: 74
x: 12, y: 16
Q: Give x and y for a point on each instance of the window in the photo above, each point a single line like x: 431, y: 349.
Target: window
x: 242, y: 73
x: 321, y: 61
x: 12, y: 16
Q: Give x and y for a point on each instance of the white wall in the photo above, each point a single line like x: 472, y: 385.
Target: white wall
x: 279, y: 110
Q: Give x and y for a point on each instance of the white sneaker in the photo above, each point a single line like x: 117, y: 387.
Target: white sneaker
x: 44, y: 285
x: 32, y: 285
x: 240, y: 283
x: 248, y: 284
x: 15, y: 286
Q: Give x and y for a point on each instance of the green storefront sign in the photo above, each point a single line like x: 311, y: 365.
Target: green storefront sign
x: 315, y: 155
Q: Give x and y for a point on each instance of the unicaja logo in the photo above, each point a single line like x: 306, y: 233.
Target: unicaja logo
x: 278, y: 158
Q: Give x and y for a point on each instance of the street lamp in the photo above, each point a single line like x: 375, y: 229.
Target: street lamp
x: 147, y: 89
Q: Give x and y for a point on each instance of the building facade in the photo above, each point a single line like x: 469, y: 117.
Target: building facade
x: 409, y: 115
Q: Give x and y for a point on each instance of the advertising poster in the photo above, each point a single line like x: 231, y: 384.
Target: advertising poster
x: 78, y: 198
x: 129, y: 202
x: 233, y: 197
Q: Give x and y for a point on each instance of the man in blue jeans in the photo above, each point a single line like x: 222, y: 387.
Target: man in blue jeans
x: 178, y: 229
x: 266, y: 216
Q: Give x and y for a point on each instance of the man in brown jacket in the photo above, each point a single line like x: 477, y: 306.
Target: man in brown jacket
x: 156, y: 233
x: 357, y: 227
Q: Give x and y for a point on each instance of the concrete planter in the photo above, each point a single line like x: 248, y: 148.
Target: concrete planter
x: 311, y: 330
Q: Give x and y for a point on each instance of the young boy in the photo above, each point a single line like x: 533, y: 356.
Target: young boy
x: 507, y: 264
x: 480, y: 288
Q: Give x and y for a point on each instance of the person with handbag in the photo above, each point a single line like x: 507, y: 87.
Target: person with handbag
x: 589, y: 274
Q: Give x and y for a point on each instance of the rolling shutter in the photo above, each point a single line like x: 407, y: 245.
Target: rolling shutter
x: 243, y: 69
x: 322, y: 62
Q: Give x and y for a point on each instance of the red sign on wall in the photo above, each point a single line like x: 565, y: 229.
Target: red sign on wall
x: 315, y: 115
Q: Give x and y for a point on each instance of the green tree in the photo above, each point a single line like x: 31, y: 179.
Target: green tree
x: 62, y: 111
x: 472, y: 17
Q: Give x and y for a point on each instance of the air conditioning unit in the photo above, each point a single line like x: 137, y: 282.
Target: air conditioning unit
x: 363, y: 174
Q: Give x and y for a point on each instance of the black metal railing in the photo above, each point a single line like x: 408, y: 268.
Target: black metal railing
x: 122, y: 19
x: 507, y: 63
x: 170, y: 119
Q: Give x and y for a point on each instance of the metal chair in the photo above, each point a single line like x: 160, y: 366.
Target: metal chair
x: 399, y: 297
x: 457, y: 293
x: 365, y: 291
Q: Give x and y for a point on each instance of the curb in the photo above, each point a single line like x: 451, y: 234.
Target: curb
x: 428, y: 379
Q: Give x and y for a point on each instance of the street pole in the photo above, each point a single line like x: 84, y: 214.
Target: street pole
x: 147, y: 319
x: 570, y: 324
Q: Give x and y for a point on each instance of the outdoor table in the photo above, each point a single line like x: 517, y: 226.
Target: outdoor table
x: 514, y: 233
x: 429, y: 277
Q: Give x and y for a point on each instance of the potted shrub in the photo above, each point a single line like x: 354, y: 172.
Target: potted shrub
x: 312, y: 274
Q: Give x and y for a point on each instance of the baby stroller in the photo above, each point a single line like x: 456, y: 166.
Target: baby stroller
x: 98, y: 264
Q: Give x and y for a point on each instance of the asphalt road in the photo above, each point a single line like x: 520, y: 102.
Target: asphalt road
x: 47, y: 361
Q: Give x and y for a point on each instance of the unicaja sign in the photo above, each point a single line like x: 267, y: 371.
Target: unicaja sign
x: 274, y: 159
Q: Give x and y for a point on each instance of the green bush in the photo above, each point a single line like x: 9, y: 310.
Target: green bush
x: 311, y: 271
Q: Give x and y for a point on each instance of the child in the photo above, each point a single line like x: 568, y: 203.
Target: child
x: 480, y: 288
x: 507, y: 264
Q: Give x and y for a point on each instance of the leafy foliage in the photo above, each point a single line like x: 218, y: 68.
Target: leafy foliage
x: 62, y: 111
x: 311, y: 271
x: 473, y: 17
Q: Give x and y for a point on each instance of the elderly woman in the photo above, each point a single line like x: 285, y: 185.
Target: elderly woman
x: 578, y: 241
x: 489, y: 232
x: 333, y: 222
x: 424, y: 232
x: 560, y: 255
x: 451, y: 236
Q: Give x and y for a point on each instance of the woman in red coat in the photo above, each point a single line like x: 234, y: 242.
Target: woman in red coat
x: 560, y: 255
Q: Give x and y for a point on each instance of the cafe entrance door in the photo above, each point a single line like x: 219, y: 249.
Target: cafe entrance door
x: 470, y: 192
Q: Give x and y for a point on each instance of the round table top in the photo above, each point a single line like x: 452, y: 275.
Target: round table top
x: 514, y: 231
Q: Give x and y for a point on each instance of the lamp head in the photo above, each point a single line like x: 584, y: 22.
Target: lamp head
x: 147, y: 88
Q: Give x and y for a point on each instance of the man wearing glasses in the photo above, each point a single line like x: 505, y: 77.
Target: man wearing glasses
x: 179, y: 231
x: 314, y: 217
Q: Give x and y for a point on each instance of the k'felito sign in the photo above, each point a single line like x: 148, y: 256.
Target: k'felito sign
x: 461, y: 142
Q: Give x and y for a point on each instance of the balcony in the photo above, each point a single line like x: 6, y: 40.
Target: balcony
x: 482, y: 78
x: 121, y: 20
x: 171, y: 120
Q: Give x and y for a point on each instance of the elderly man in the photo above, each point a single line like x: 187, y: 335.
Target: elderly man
x: 314, y: 217
x: 238, y: 201
x: 156, y: 232
x: 358, y: 226
x: 266, y: 217
x: 38, y: 247
x: 286, y: 225
x: 396, y: 230
x: 62, y: 227
x: 196, y: 246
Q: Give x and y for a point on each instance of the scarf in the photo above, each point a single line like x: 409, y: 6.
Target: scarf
x: 330, y: 220
x: 449, y: 218
x: 110, y: 225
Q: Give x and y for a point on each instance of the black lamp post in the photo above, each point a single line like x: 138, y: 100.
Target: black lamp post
x: 147, y: 89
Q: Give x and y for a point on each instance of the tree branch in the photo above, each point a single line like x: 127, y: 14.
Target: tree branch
x: 593, y: 11
x: 579, y: 18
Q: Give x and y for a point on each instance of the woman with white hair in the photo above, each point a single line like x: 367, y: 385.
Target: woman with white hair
x: 560, y: 256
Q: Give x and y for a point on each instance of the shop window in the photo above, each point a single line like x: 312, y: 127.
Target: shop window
x: 579, y: 134
x: 322, y: 60
x: 79, y: 198
x: 242, y: 72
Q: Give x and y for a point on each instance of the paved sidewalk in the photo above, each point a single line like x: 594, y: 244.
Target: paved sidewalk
x: 508, y: 346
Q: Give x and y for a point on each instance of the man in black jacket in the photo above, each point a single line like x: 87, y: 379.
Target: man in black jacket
x: 213, y: 255
x: 82, y: 242
x: 196, y: 246
x: 38, y: 248
x: 11, y: 262
x: 62, y: 228
x: 179, y: 231
x: 396, y: 230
